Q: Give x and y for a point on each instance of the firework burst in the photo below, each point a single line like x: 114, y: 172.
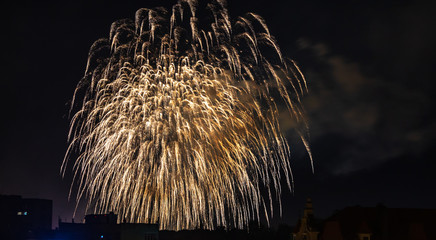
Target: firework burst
x: 175, y: 120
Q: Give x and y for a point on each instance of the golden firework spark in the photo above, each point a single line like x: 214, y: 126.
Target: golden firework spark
x: 178, y: 123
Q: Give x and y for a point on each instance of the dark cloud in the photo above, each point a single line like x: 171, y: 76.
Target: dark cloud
x: 372, y: 118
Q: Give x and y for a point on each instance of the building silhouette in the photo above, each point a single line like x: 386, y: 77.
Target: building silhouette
x: 25, y: 218
x: 31, y: 219
x: 380, y: 223
x: 105, y: 227
x: 367, y: 223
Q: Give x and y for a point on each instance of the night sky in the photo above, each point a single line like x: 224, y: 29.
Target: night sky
x: 369, y: 65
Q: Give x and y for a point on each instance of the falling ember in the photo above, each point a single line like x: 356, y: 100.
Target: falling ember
x: 178, y: 123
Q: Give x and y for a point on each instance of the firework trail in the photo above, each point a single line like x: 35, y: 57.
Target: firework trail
x: 178, y: 119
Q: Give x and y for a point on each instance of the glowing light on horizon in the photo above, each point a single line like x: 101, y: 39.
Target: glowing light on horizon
x: 178, y: 119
